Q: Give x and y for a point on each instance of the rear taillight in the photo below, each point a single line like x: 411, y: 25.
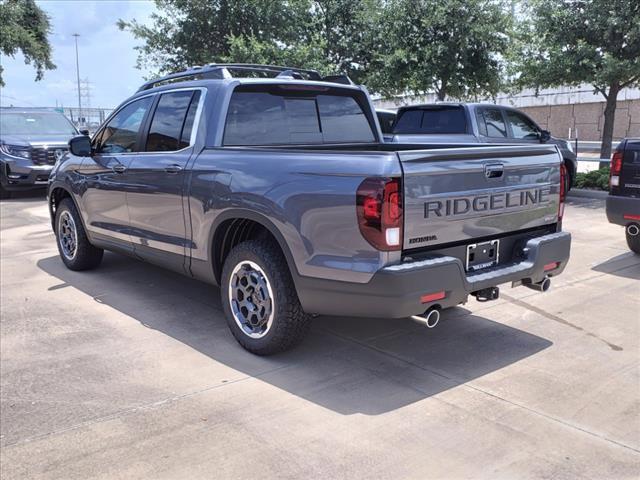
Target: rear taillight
x: 379, y: 208
x: 616, y: 168
x: 563, y: 190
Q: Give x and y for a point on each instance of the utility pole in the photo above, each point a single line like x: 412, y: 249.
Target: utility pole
x: 78, y: 79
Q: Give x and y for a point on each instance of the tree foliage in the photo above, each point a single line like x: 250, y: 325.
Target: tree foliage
x: 453, y: 48
x: 186, y: 32
x: 24, y: 28
x: 328, y: 35
x: 394, y: 46
x: 581, y: 41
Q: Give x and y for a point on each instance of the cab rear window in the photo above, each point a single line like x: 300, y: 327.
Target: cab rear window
x: 432, y: 120
x: 295, y: 117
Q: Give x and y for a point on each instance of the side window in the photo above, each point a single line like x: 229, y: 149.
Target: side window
x: 185, y: 138
x: 167, y: 130
x: 491, y: 124
x: 521, y: 126
x: 121, y: 133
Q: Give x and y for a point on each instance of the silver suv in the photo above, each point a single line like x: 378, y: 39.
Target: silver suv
x: 31, y: 141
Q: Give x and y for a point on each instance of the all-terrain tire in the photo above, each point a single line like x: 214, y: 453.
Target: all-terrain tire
x: 289, y: 323
x: 85, y: 255
x: 634, y: 242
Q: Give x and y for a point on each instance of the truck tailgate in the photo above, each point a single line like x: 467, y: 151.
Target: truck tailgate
x: 463, y: 194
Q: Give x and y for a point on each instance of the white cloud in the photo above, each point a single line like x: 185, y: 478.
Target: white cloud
x: 106, y: 56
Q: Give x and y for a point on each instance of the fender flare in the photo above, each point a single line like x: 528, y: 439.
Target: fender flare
x: 574, y: 165
x: 245, y: 214
x: 62, y: 186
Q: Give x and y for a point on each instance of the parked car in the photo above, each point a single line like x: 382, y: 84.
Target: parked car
x: 281, y: 191
x: 31, y: 141
x: 476, y: 123
x: 386, y: 119
x: 623, y: 202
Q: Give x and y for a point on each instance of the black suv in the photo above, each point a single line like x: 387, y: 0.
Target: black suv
x: 623, y: 202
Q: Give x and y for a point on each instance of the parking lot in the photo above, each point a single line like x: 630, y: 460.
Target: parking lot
x: 129, y: 371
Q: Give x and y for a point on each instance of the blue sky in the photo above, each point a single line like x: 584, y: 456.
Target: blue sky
x: 106, y: 54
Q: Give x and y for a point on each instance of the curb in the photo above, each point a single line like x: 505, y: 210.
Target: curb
x: 587, y: 193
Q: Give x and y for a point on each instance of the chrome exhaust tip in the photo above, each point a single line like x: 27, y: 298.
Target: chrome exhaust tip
x: 633, y: 229
x: 430, y: 318
x: 541, y: 286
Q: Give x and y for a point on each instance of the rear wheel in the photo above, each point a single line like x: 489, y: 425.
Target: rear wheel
x: 259, y: 299
x: 74, y: 247
x: 633, y: 240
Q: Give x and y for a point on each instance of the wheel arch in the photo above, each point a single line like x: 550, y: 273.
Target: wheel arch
x: 234, y: 226
x: 574, y: 165
x: 57, y: 193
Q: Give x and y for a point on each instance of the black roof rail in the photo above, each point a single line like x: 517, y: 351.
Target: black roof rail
x: 344, y: 79
x: 197, y: 72
x: 309, y: 74
x: 222, y: 70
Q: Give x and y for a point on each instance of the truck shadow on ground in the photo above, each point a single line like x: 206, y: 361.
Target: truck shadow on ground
x: 30, y: 196
x: 586, y: 203
x: 625, y: 265
x: 348, y: 365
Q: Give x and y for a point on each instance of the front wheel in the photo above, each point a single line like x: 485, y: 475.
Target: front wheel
x: 259, y: 299
x: 74, y: 247
x: 633, y: 240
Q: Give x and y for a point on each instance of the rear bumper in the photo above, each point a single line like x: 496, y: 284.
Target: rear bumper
x: 618, y: 207
x: 19, y: 175
x: 395, y: 291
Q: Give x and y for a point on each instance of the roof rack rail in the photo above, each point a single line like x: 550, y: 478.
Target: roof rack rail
x: 222, y: 70
x: 309, y: 74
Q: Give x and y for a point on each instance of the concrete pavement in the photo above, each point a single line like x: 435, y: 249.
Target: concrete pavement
x: 129, y: 371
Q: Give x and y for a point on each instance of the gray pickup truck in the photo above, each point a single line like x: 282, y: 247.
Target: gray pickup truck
x: 452, y: 122
x: 276, y: 184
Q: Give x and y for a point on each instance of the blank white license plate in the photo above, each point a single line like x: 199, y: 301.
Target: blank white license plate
x: 482, y: 255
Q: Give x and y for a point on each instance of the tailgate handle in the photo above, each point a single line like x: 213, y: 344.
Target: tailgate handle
x: 494, y: 170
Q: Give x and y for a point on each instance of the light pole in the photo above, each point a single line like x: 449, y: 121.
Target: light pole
x: 76, y: 35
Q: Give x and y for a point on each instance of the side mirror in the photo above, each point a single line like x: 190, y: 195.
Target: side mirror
x: 545, y: 135
x: 80, y: 146
x: 85, y: 132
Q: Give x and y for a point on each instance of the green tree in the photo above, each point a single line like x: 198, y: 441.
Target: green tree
x: 451, y: 47
x: 581, y: 41
x: 329, y: 35
x: 186, y: 32
x: 336, y: 36
x: 24, y: 28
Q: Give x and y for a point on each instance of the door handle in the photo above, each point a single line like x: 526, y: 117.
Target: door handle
x: 119, y: 168
x: 173, y: 168
x: 493, y: 171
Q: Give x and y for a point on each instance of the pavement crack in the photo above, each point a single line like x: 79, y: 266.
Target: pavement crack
x: 556, y: 318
